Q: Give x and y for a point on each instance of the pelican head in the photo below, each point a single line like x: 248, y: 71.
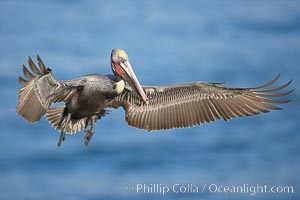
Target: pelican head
x: 121, y: 68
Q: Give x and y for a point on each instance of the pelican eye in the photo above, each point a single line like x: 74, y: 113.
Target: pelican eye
x: 121, y: 59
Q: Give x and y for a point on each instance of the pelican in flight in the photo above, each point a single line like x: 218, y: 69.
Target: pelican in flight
x: 146, y: 107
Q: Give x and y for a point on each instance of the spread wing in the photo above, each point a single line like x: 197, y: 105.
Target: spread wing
x: 196, y: 103
x: 40, y: 91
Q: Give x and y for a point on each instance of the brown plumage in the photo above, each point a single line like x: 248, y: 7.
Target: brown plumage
x: 147, y: 107
x: 85, y: 99
x: 192, y: 104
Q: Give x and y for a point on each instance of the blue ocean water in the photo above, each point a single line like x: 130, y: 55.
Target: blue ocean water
x: 242, y: 43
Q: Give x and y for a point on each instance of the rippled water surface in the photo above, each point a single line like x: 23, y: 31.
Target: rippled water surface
x: 242, y: 44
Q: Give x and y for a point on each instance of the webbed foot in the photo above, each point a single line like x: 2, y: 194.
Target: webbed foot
x: 88, y: 136
x: 61, y: 138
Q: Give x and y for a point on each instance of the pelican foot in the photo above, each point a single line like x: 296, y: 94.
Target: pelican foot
x: 61, y: 138
x: 88, y: 136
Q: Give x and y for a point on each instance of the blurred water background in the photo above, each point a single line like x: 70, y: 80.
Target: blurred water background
x: 242, y: 43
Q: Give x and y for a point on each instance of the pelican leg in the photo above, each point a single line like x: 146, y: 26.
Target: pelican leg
x: 61, y: 138
x: 64, y: 131
x: 89, y: 133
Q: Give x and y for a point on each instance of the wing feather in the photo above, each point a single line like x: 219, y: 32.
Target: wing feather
x: 40, y: 91
x: 196, y: 103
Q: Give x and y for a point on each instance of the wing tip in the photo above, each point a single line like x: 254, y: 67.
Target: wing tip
x: 22, y: 80
x: 269, y: 92
x: 42, y: 66
x: 269, y: 83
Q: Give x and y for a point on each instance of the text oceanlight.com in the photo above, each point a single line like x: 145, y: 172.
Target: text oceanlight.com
x: 163, y: 189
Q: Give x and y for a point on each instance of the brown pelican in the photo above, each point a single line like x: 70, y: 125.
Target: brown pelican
x: 146, y: 107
